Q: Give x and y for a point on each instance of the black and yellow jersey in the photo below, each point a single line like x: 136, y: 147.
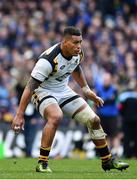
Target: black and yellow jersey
x: 53, y: 69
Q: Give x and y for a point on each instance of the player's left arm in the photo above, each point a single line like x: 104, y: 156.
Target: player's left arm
x: 79, y: 77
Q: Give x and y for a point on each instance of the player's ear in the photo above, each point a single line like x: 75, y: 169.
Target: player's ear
x: 64, y: 40
x: 67, y: 38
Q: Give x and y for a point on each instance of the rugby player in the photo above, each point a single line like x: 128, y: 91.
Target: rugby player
x: 48, y: 89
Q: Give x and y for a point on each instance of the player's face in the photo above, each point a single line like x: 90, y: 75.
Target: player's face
x: 73, y: 45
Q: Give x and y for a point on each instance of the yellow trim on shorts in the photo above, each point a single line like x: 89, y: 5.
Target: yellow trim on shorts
x: 36, y: 98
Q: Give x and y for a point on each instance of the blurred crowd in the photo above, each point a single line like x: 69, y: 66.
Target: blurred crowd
x: 109, y: 30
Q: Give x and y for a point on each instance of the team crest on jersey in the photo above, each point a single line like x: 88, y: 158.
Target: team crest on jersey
x: 62, y: 67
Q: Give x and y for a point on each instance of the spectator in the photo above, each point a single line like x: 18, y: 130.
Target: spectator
x: 127, y: 106
x: 109, y: 112
x: 29, y: 27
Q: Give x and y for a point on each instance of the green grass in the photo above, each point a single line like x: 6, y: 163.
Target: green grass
x: 24, y: 168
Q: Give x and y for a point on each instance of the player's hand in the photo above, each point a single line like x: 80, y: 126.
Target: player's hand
x: 98, y: 101
x: 18, y: 123
x: 91, y: 95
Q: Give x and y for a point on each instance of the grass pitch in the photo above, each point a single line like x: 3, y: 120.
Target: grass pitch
x: 24, y: 168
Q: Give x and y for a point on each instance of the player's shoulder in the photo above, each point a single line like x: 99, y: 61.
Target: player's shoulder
x: 51, y: 55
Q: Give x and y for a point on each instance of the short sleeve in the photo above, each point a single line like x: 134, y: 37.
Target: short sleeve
x: 41, y: 70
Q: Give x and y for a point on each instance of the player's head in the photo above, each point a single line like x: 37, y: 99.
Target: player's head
x: 72, y: 39
x: 107, y: 79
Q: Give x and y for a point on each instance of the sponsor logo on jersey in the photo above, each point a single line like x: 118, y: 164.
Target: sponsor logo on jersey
x: 76, y: 61
x: 62, y: 67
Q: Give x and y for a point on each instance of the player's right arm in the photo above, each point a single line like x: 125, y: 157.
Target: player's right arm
x: 32, y: 84
x: 18, y: 121
x: 41, y: 71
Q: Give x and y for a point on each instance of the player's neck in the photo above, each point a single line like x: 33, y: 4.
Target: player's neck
x: 65, y: 53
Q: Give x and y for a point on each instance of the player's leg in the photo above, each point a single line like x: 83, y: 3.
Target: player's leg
x: 86, y: 116
x: 53, y: 120
x: 49, y: 110
x: 80, y: 111
x: 108, y: 162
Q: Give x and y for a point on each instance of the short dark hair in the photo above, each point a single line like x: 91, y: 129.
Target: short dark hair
x: 71, y: 30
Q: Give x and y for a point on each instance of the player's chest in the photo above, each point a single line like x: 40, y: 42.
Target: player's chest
x: 67, y: 66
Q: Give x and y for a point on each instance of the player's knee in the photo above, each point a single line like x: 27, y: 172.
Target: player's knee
x: 95, y: 130
x: 96, y: 122
x: 55, y: 119
x: 85, y: 116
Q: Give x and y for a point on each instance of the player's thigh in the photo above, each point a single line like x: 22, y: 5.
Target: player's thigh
x: 53, y: 112
x: 47, y: 106
x: 72, y: 104
x: 79, y: 110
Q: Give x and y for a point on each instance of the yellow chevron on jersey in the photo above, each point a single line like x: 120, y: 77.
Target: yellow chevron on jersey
x: 55, y: 64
